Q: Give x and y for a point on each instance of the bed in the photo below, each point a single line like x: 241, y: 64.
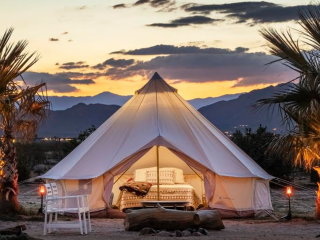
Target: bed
x: 175, y: 189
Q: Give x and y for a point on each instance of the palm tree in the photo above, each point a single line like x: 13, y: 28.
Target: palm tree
x: 299, y: 100
x: 22, y: 108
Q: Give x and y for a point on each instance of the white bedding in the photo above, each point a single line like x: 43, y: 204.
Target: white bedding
x: 175, y: 192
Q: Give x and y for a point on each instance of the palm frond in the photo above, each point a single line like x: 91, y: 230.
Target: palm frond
x: 287, y: 49
x: 13, y: 60
x: 310, y: 23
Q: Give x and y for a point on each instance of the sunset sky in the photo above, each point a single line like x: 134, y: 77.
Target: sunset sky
x: 203, y: 48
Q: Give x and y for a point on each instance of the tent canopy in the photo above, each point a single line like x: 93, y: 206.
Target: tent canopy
x: 156, y: 115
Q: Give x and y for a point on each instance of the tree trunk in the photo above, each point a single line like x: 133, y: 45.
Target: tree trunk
x: 317, y: 214
x: 8, y: 174
x: 158, y: 218
x: 208, y: 219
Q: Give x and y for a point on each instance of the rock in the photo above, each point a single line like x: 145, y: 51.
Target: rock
x: 196, y: 234
x: 146, y: 231
x: 178, y: 233
x: 203, y: 231
x: 165, y: 234
x: 185, y: 233
x: 190, y: 230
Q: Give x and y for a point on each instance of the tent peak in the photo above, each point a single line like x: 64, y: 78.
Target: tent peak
x: 156, y: 76
x: 156, y: 84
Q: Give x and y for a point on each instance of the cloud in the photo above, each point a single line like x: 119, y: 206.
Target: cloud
x: 246, y: 68
x: 58, y: 83
x: 119, y: 63
x: 186, y: 21
x: 122, y: 5
x: 82, y: 7
x: 140, y: 2
x: 164, y: 5
x: 159, y: 3
x: 53, y: 39
x: 257, y: 12
x: 154, y: 3
x: 74, y: 65
x: 81, y: 75
x: 170, y: 49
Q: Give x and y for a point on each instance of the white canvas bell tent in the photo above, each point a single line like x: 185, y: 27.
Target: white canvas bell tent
x: 158, y: 116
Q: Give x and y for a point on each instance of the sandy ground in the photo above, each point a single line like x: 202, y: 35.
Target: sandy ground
x: 303, y: 226
x: 235, y: 229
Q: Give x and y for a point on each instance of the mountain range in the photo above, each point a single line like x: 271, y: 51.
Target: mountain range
x: 108, y: 98
x: 72, y: 121
x: 226, y: 115
x: 239, y: 113
x: 201, y: 102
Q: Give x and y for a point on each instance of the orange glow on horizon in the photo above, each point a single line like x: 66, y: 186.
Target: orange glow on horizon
x: 188, y: 90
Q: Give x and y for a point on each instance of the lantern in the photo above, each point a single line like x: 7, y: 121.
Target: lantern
x: 288, y: 193
x: 42, y: 191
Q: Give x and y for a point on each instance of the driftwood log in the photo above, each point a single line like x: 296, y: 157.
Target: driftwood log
x: 208, y: 219
x: 160, y: 218
x: 17, y: 230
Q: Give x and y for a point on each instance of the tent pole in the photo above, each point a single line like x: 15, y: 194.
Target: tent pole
x: 158, y: 176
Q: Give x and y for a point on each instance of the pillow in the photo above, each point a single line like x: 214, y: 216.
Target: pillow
x: 140, y: 175
x: 178, y: 174
x: 165, y: 176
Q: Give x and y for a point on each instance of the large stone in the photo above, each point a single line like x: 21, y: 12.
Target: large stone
x: 196, y: 234
x: 165, y: 234
x: 185, y: 233
x: 203, y: 231
x: 178, y: 233
x: 147, y: 231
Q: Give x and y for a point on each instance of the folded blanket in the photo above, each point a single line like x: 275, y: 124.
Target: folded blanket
x: 137, y: 188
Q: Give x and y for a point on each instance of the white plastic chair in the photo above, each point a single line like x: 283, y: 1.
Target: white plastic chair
x: 54, y: 204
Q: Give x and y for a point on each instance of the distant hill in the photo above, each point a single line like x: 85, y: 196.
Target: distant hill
x: 226, y: 115
x: 70, y: 122
x: 107, y: 98
x: 201, y: 102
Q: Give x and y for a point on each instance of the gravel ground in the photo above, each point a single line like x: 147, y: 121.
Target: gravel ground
x: 235, y: 229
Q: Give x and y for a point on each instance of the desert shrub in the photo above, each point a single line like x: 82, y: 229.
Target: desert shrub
x: 40, y: 168
x: 314, y: 176
x: 255, y: 144
x: 24, y: 170
x: 52, y: 161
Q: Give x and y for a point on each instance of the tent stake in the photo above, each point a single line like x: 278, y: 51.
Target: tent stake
x: 158, y: 172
